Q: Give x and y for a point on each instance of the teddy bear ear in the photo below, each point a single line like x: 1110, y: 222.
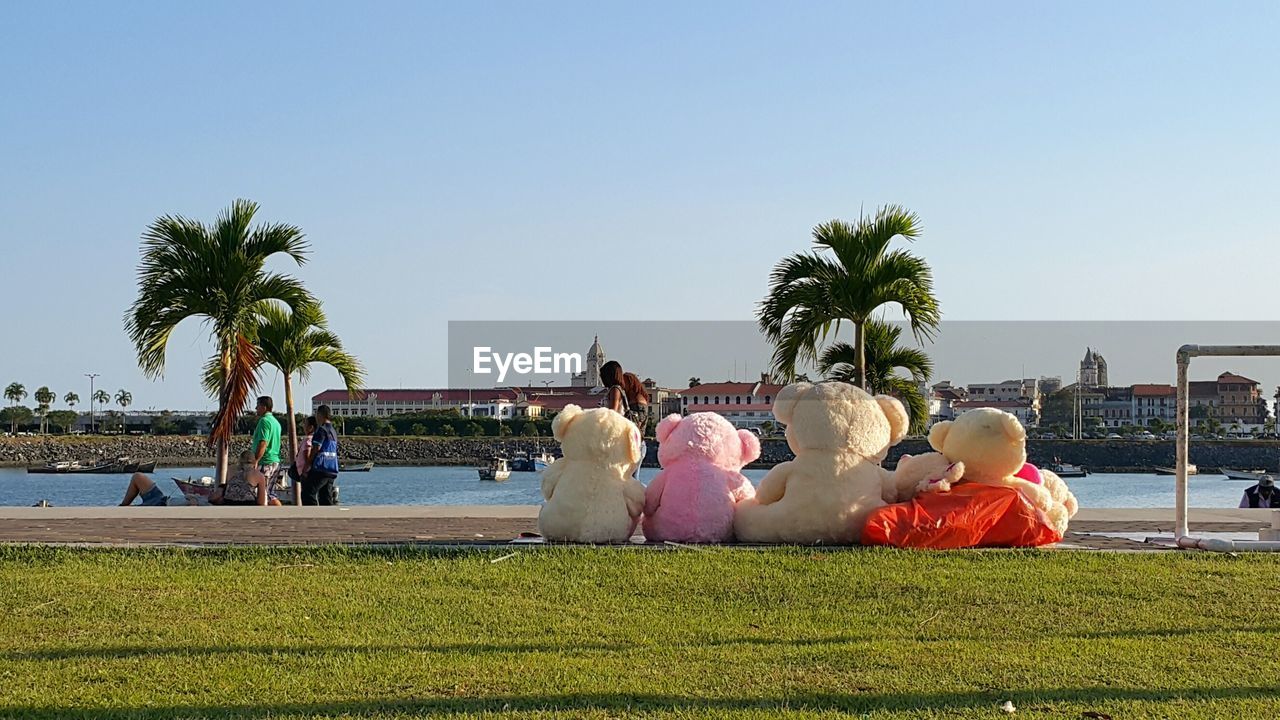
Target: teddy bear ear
x: 750, y: 446
x: 666, y: 426
x: 784, y: 405
x: 938, y: 434
x: 560, y: 425
x: 897, y: 414
x: 1013, y: 428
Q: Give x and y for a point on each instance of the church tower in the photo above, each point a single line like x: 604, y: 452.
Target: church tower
x: 1089, y: 369
x: 1093, y: 369
x: 595, y: 361
x: 590, y: 375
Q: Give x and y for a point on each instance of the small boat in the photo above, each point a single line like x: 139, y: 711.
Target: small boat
x: 204, y: 488
x: 128, y: 465
x: 497, y: 471
x: 1161, y: 470
x: 70, y: 467
x: 1067, y: 470
x: 201, y: 487
x: 531, y: 463
x: 543, y: 460
x: 1245, y: 475
x: 364, y: 467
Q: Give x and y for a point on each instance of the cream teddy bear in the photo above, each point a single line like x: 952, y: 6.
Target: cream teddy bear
x: 840, y: 435
x: 992, y: 445
x: 591, y: 496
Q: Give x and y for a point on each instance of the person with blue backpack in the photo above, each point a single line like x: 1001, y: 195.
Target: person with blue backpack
x: 322, y: 461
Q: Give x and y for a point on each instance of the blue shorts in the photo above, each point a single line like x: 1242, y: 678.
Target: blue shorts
x: 154, y: 497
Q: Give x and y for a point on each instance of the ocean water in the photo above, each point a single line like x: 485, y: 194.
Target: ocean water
x: 461, y: 486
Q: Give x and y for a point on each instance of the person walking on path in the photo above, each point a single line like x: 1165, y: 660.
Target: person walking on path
x: 1262, y: 495
x: 266, y: 442
x: 322, y: 461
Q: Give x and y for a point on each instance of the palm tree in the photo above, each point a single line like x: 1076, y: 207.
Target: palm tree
x: 883, y: 357
x: 292, y: 341
x: 44, y: 397
x: 850, y: 275
x: 102, y: 397
x: 14, y: 393
x: 218, y: 273
x: 71, y: 399
x: 123, y: 398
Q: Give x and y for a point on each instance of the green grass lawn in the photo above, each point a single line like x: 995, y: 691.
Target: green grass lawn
x: 608, y: 633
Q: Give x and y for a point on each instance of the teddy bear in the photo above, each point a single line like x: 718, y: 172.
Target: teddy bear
x: 591, y: 494
x: 992, y: 445
x: 839, y: 434
x: 927, y: 472
x: 693, y: 498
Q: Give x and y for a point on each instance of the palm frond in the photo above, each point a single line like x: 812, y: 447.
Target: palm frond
x: 241, y: 381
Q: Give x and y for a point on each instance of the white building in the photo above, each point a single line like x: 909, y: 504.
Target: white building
x: 746, y: 405
x: 1021, y: 409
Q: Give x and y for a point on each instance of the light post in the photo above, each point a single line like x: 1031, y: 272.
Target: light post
x: 92, y: 427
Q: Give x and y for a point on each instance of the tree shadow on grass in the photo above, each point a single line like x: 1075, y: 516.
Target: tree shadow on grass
x: 934, y: 636
x: 642, y: 704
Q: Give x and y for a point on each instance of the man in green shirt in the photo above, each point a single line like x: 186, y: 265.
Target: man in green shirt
x: 266, y: 444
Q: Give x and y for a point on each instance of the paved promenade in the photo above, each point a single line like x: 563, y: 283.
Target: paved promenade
x: 1100, y: 529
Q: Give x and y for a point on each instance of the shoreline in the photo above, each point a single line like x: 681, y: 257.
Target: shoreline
x: 1099, y: 456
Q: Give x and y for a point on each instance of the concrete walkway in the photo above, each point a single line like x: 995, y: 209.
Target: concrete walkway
x: 1109, y: 529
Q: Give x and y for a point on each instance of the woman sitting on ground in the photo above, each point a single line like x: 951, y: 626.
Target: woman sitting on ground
x: 625, y: 394
x: 143, y: 488
x: 245, y: 486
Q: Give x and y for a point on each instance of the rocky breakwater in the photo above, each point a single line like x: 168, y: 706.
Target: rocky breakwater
x: 170, y: 450
x: 174, y: 450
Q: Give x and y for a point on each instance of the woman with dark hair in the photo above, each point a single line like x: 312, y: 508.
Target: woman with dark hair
x: 624, y: 393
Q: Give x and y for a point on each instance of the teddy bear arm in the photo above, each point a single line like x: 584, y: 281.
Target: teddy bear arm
x: 774, y: 484
x: 889, y: 491
x: 740, y: 487
x: 633, y: 493
x: 550, y: 477
x: 653, y: 493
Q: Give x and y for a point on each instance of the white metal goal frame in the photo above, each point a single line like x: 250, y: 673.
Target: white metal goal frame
x: 1182, y: 534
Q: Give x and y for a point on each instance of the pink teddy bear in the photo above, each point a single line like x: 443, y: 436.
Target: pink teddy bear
x: 692, y: 500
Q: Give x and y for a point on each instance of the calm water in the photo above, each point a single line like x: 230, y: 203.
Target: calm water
x: 460, y: 486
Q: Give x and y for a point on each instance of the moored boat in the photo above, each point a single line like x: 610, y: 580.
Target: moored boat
x: 202, y: 487
x: 70, y: 467
x: 1067, y: 470
x: 1244, y: 475
x: 1161, y: 470
x: 363, y: 467
x: 531, y: 463
x: 497, y: 470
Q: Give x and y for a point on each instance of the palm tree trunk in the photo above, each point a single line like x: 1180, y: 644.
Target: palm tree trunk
x: 860, y: 349
x: 293, y: 423
x: 224, y: 447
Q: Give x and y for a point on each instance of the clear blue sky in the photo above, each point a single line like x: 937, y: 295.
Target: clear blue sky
x: 517, y: 160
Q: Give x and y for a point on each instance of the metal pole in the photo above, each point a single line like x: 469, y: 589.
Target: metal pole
x: 1180, y: 482
x: 92, y: 425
